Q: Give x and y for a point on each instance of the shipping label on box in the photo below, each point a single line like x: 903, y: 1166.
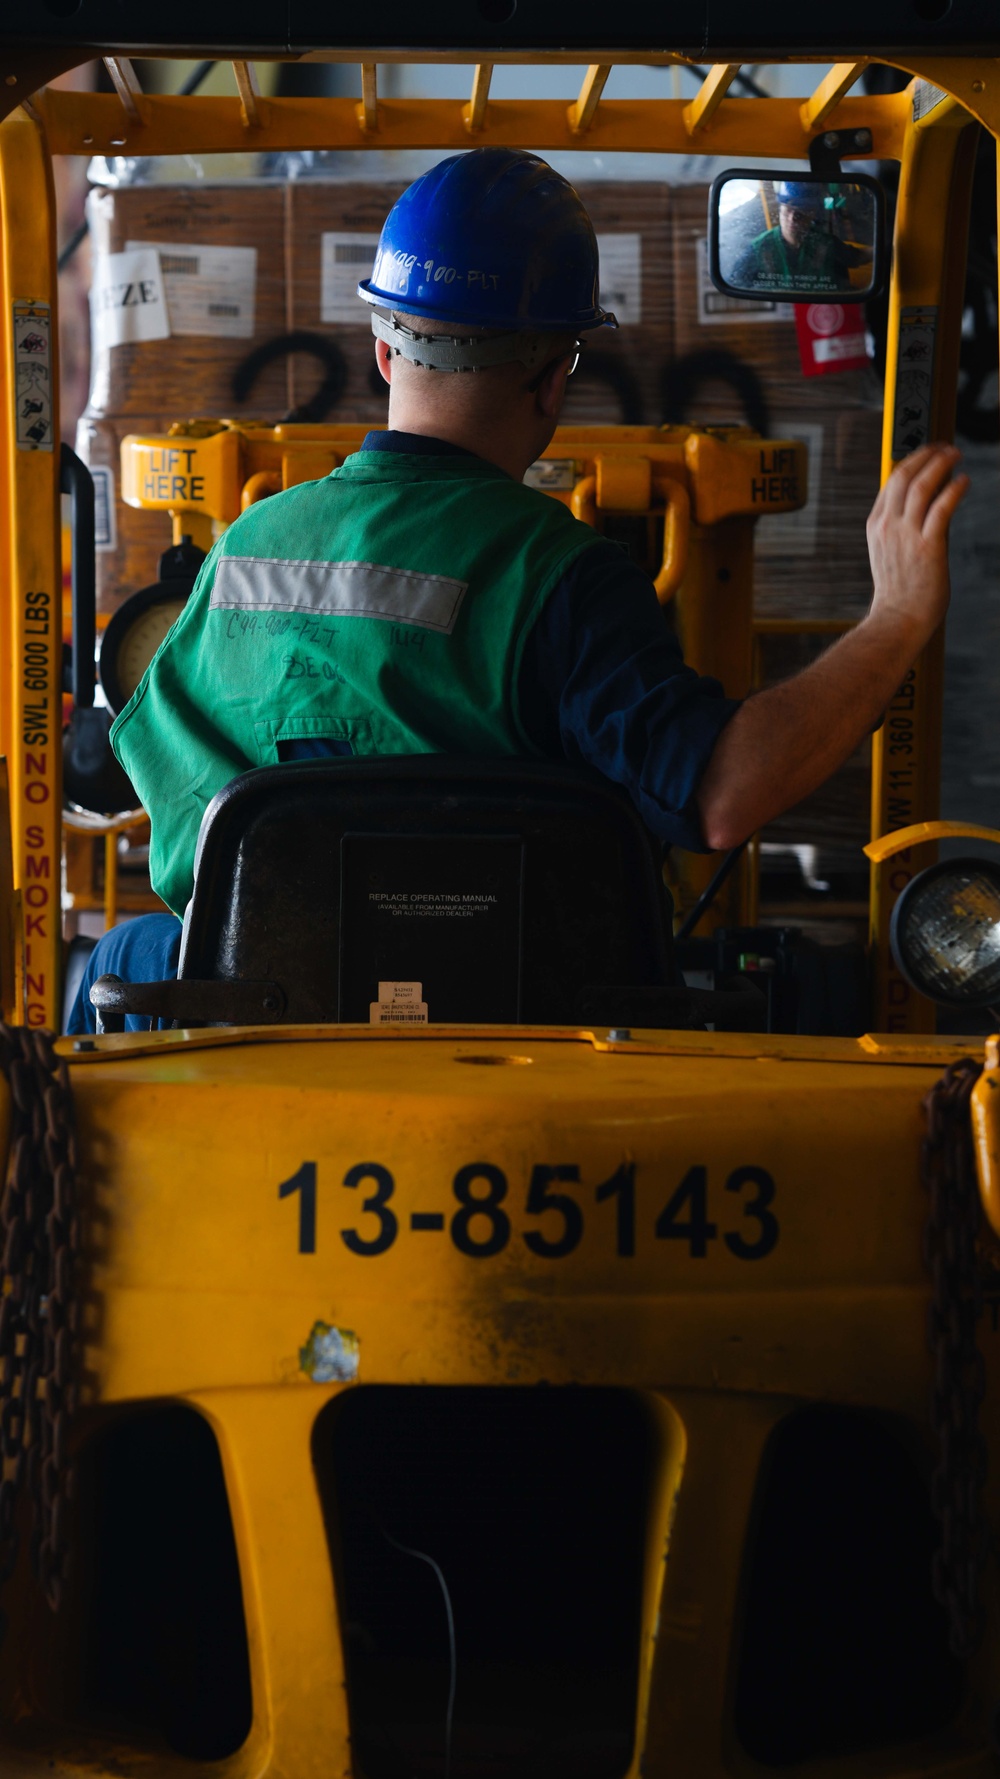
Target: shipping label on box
x: 345, y: 259
x: 714, y: 306
x: 208, y: 290
x: 621, y: 276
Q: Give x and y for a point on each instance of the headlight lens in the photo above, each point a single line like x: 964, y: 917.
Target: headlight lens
x: 945, y: 933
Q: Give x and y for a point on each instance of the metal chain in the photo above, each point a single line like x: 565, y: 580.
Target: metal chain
x: 39, y: 1312
x: 950, y: 1251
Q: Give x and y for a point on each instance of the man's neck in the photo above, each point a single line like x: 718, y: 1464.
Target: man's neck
x: 482, y: 440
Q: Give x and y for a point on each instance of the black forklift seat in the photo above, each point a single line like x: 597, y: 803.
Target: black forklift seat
x: 400, y: 889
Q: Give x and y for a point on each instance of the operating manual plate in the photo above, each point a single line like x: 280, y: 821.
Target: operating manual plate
x: 439, y: 913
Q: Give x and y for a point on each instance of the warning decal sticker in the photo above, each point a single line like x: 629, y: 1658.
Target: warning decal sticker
x: 911, y: 425
x: 33, y: 376
x: 399, y: 1003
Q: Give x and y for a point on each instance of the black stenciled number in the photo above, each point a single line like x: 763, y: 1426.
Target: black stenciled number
x: 755, y: 1207
x: 304, y: 1182
x: 473, y: 1207
x: 621, y: 1187
x: 540, y: 1200
x: 377, y: 1205
x: 697, y: 1231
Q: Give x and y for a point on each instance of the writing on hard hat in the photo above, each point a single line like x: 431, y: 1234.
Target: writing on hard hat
x: 492, y: 239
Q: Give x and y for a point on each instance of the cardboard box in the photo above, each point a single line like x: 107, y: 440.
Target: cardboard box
x: 188, y: 282
x: 334, y: 227
x: 836, y: 818
x: 814, y: 563
x: 130, y: 542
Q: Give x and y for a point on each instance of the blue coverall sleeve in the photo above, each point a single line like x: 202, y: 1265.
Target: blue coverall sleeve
x: 603, y: 681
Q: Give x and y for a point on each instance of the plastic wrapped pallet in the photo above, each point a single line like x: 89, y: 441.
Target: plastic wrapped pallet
x: 188, y: 281
x: 814, y: 563
x: 632, y: 222
x: 834, y: 820
x: 130, y: 541
x: 334, y: 228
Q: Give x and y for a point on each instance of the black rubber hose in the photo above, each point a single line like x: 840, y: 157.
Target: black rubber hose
x: 92, y: 777
x: 199, y: 73
x: 709, y: 894
x: 79, y: 234
x: 76, y: 480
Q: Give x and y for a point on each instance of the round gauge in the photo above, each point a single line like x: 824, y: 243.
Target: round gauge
x: 133, y: 636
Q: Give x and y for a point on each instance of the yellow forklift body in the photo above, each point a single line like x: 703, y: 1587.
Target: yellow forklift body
x: 727, y: 1227
x: 801, y: 1280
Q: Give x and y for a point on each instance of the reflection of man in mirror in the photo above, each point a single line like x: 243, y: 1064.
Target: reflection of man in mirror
x: 801, y: 249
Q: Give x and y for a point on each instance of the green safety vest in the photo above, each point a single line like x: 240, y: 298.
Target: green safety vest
x: 386, y: 606
x: 819, y: 256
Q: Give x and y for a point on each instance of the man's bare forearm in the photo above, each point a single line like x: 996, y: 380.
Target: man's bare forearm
x: 784, y: 742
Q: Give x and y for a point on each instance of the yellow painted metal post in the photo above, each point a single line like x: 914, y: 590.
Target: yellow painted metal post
x: 921, y: 374
x: 110, y: 878
x: 30, y: 563
x: 300, y: 1728
x: 700, y: 1604
x: 11, y: 948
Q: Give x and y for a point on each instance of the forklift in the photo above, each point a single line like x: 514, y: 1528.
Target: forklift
x: 675, y: 1451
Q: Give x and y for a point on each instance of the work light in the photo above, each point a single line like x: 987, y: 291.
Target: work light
x: 945, y: 933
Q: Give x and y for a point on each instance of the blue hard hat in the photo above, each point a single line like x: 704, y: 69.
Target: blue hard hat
x: 493, y: 238
x: 805, y: 192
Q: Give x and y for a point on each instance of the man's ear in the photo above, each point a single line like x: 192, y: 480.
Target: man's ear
x: 551, y: 392
x: 383, y: 358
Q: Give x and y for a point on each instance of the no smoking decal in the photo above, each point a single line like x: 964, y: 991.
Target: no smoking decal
x: 33, y: 376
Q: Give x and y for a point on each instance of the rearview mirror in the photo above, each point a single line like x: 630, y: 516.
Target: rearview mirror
x: 796, y: 236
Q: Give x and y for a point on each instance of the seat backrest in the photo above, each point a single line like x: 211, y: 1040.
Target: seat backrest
x: 503, y: 888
